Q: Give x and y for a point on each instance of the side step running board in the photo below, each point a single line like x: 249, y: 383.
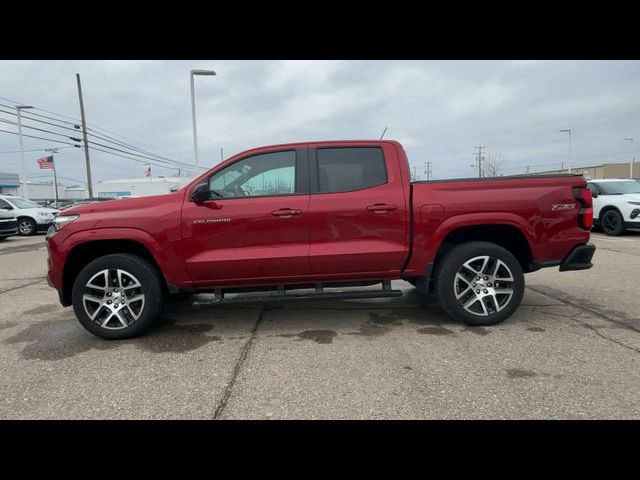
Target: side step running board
x: 319, y: 294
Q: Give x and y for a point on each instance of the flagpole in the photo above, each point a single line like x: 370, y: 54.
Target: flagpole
x: 55, y: 177
x: 55, y: 183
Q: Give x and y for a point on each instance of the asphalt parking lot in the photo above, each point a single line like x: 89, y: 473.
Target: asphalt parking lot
x: 570, y: 352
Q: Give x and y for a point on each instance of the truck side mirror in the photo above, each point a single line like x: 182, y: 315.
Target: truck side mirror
x: 200, y: 193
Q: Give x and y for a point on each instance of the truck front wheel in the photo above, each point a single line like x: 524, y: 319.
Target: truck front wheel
x: 479, y: 283
x: 118, y: 296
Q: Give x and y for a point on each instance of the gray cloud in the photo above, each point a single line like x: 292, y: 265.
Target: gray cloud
x: 439, y: 109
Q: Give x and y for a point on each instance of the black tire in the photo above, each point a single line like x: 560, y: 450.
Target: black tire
x: 151, y: 286
x: 612, y: 223
x: 26, y: 227
x: 445, y: 287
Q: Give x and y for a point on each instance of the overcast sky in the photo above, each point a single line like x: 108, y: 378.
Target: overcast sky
x: 439, y: 110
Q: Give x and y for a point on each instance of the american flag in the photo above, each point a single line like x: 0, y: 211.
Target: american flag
x: 46, y: 162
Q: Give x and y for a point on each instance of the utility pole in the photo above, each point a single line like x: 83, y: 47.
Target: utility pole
x: 415, y: 177
x: 19, y: 108
x: 221, y: 156
x: 480, y: 158
x: 568, y: 130
x: 527, y: 169
x: 427, y: 169
x: 84, y: 138
x: 632, y: 161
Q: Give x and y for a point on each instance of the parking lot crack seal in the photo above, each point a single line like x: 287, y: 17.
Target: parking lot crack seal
x: 21, y: 286
x: 236, y: 370
x: 587, y: 325
x: 593, y: 311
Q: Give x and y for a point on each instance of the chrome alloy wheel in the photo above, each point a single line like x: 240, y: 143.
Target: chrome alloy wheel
x: 483, y: 285
x: 113, y: 299
x: 25, y: 227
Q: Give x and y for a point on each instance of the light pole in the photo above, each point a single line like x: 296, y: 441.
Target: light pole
x: 632, y: 161
x: 193, y: 111
x: 19, y: 109
x: 570, y: 156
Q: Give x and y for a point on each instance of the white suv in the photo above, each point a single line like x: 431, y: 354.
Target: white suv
x: 31, y: 217
x: 616, y: 204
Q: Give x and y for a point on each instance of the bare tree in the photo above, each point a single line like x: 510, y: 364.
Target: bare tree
x: 492, y: 164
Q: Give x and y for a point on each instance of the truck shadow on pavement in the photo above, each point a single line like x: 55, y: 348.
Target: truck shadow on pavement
x: 186, y: 326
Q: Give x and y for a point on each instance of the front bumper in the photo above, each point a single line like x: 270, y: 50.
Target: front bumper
x: 579, y: 258
x: 43, y: 227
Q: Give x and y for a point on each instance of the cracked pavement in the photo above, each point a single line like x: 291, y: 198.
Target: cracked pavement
x: 570, y: 351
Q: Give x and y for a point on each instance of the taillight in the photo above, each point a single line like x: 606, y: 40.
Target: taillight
x: 585, y: 214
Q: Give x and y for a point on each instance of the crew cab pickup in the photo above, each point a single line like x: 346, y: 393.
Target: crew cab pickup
x: 318, y: 220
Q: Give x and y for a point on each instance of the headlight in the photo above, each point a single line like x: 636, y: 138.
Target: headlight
x: 62, y: 221
x: 45, y: 215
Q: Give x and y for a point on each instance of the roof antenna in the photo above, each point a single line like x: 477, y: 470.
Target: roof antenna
x: 383, y: 132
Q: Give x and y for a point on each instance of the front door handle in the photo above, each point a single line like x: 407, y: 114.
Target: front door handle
x: 286, y: 212
x: 382, y: 207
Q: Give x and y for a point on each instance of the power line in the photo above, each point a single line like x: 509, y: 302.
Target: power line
x: 134, y: 159
x: 106, y: 138
x: 90, y: 126
x: 39, y: 138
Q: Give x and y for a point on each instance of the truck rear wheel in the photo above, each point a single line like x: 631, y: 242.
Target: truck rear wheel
x: 479, y: 283
x: 118, y: 296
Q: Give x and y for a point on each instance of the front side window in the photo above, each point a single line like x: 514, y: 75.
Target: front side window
x: 5, y: 205
x: 267, y: 174
x: 347, y: 169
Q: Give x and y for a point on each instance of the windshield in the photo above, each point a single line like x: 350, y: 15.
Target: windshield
x: 619, y: 188
x: 20, y: 202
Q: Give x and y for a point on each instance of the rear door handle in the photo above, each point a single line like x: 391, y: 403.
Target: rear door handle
x: 382, y: 207
x: 286, y: 212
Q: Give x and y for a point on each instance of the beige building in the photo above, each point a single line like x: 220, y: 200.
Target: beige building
x: 604, y: 170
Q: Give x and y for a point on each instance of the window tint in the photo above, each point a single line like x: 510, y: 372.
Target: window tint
x: 267, y: 174
x: 345, y: 169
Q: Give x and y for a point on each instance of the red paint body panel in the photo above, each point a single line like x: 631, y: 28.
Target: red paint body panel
x: 358, y: 235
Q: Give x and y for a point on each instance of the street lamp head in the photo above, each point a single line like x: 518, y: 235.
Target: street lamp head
x: 22, y: 107
x: 203, y: 72
x: 565, y: 130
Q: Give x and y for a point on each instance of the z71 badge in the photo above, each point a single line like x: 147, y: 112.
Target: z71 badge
x: 563, y: 206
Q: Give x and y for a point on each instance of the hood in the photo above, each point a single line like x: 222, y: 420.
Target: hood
x: 628, y: 197
x: 115, y: 204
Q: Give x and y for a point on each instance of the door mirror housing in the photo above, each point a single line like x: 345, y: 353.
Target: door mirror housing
x: 200, y: 193
x: 594, y: 194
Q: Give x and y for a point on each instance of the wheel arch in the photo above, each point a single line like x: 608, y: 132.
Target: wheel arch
x: 505, y: 235
x: 84, y: 253
x: 606, y: 208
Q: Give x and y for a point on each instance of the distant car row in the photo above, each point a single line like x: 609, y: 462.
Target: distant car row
x: 23, y: 216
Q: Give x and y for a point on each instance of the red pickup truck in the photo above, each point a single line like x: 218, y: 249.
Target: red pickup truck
x: 324, y: 219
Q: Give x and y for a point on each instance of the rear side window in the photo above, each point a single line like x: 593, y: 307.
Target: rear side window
x: 346, y: 169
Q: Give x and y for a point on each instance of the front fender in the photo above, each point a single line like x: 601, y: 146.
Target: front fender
x: 168, y: 257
